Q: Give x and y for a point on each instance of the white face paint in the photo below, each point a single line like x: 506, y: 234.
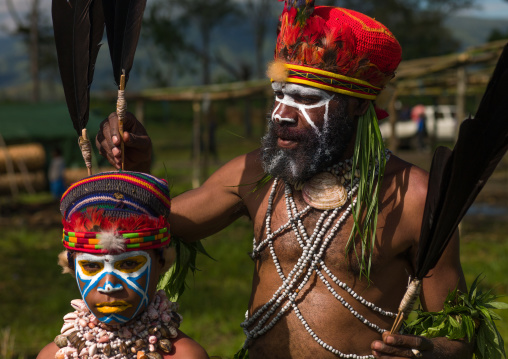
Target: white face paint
x: 289, y: 92
x: 130, y: 272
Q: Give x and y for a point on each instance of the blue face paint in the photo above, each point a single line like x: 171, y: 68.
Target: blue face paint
x: 114, y: 287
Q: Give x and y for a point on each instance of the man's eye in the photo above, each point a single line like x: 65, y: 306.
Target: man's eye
x: 278, y: 94
x: 306, y: 99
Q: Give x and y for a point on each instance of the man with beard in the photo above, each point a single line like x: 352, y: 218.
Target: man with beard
x: 337, y: 223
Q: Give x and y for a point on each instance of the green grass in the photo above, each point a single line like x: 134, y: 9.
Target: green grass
x: 34, y: 295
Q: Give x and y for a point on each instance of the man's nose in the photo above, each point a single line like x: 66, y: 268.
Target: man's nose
x: 110, y: 284
x: 284, y: 113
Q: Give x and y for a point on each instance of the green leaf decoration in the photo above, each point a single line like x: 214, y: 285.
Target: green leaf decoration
x: 174, y: 280
x: 242, y: 354
x: 465, y: 316
x: 369, y: 151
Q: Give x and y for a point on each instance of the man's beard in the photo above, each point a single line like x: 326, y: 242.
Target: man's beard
x: 314, y: 152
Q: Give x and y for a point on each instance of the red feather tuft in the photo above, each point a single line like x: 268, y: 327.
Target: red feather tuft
x: 94, y: 220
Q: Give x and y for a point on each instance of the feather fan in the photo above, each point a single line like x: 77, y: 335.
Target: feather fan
x: 123, y: 26
x: 78, y: 27
x: 456, y: 177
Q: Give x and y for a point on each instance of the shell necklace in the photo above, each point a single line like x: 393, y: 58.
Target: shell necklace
x: 311, y: 261
x: 83, y: 336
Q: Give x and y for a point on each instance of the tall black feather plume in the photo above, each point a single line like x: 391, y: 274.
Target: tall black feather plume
x: 123, y: 26
x: 78, y: 28
x: 456, y: 177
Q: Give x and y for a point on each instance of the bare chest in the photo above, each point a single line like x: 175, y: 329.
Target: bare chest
x: 292, y: 231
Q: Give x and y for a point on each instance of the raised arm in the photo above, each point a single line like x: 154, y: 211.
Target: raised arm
x: 217, y: 203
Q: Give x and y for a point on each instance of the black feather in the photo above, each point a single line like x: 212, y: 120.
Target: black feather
x: 457, y: 177
x: 123, y: 26
x: 78, y: 27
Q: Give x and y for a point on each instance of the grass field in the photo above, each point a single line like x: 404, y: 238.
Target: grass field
x: 34, y: 295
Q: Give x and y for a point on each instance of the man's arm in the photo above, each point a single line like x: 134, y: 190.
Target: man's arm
x: 197, y: 213
x: 445, y: 277
x: 206, y: 210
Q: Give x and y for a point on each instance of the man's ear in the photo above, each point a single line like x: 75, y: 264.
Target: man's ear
x: 361, y: 107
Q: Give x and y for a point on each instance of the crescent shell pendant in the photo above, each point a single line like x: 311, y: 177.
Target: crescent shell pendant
x: 324, y: 191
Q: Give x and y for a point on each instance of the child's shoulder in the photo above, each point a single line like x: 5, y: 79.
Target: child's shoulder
x: 48, y: 352
x: 185, y: 347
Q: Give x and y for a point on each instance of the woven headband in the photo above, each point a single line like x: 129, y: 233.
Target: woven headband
x: 90, y: 241
x: 330, y: 81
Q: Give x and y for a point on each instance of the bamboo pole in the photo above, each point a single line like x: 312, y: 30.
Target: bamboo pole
x: 121, y: 108
x: 86, y: 150
x: 196, y: 148
x: 407, y: 303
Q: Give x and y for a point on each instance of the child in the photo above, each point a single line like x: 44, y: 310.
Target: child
x: 117, y: 238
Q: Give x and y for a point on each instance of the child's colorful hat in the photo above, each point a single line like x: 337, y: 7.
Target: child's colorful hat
x: 116, y: 212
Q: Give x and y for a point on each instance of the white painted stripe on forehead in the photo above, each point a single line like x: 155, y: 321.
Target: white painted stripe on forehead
x: 290, y: 90
x: 297, y: 89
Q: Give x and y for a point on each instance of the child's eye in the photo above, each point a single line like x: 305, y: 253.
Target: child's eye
x: 131, y: 264
x: 90, y: 268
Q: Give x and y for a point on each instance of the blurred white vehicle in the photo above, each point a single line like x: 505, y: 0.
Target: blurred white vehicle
x: 439, y: 119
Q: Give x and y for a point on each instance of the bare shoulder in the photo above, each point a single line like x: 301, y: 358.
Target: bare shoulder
x: 48, y: 352
x: 406, y: 178
x: 186, y: 348
x: 403, y: 195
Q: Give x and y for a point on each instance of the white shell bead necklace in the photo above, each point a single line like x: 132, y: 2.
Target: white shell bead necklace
x: 310, y: 261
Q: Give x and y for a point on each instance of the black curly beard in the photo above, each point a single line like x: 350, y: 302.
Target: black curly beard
x: 314, y: 152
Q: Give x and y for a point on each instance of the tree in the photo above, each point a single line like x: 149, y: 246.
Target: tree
x: 259, y: 11
x: 38, y: 37
x: 186, y: 28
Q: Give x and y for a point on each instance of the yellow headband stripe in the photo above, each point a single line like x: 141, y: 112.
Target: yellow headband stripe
x: 331, y: 74
x: 330, y: 88
x: 330, y: 81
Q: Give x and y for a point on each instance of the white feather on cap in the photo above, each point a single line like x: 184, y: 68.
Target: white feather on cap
x: 112, y: 242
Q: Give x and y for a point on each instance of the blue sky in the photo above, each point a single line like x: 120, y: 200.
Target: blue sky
x: 489, y: 9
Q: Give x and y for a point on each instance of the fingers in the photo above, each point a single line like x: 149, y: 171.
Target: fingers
x: 108, y: 138
x: 137, y: 143
x: 401, y: 346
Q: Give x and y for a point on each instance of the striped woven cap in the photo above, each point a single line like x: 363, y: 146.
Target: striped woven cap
x: 119, y: 194
x: 116, y: 211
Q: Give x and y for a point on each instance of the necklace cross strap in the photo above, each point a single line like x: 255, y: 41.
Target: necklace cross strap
x: 311, y: 261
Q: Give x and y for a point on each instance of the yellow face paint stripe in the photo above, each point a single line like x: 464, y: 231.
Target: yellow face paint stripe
x: 140, y: 259
x: 90, y: 273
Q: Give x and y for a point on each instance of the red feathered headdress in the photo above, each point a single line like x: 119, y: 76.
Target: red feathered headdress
x: 334, y: 49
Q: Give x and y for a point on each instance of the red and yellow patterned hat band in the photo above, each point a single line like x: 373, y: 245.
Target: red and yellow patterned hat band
x: 335, y: 49
x: 91, y: 242
x: 330, y: 81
